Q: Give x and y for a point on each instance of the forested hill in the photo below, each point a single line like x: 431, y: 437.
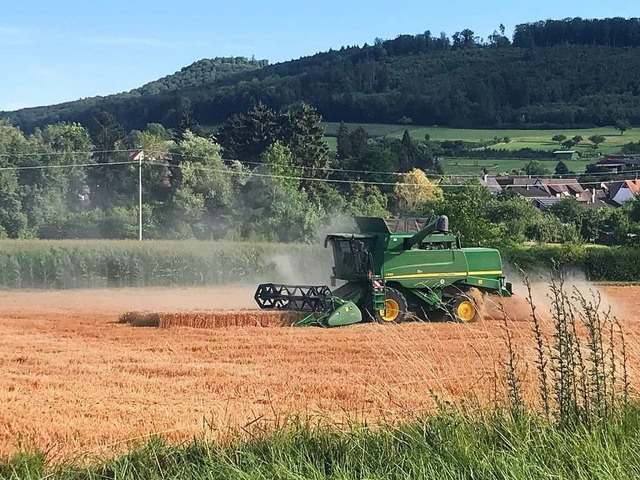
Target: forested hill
x: 200, y: 73
x: 562, y: 73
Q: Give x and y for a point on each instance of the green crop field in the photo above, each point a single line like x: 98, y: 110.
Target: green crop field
x: 68, y: 264
x: 65, y: 264
x: 534, y: 139
x: 332, y: 142
x: 497, y: 166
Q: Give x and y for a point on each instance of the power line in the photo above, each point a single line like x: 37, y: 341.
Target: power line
x: 91, y: 152
x: 69, y: 165
x: 300, y: 167
x: 298, y: 178
x: 432, y: 175
x: 363, y: 182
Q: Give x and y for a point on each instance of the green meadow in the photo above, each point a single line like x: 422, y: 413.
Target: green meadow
x: 535, y: 139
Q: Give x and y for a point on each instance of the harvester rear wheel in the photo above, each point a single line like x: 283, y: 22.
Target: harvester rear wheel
x: 463, y: 309
x: 395, y: 308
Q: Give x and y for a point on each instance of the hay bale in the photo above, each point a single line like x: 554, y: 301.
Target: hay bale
x: 140, y: 319
x: 211, y: 319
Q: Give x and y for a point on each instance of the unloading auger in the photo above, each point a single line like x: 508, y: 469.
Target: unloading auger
x: 394, y: 268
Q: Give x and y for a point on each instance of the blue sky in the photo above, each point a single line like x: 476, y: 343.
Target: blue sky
x: 57, y: 51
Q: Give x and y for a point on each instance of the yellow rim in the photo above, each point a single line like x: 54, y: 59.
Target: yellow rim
x: 466, y: 310
x: 391, y: 310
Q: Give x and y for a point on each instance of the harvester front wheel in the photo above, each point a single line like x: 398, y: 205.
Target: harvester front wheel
x: 395, y: 308
x: 463, y: 309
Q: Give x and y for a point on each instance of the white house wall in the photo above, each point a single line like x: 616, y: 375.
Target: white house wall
x: 622, y: 196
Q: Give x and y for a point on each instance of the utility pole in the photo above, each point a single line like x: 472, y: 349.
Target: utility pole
x: 140, y: 158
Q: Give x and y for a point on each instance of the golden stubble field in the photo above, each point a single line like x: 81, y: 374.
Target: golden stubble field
x: 74, y: 381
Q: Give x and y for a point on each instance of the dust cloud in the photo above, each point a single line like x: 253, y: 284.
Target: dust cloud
x: 312, y: 269
x: 517, y: 308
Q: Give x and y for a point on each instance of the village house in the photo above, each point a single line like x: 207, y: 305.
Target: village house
x: 545, y: 192
x: 621, y: 191
x: 618, y: 163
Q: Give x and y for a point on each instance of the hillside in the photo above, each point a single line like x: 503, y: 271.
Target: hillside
x: 200, y: 73
x: 571, y: 73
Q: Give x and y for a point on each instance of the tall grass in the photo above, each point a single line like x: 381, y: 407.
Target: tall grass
x: 455, y: 446
x: 91, y: 264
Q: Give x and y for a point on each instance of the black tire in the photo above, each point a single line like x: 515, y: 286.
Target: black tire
x: 397, y: 299
x: 463, y: 309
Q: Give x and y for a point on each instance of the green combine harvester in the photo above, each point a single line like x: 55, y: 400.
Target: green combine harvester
x: 394, y: 269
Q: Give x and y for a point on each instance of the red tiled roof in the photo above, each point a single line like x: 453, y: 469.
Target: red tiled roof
x: 634, y: 186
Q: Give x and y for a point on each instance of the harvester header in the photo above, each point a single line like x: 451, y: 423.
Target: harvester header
x: 394, y: 269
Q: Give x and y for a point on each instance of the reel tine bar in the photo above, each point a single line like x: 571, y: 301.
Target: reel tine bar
x: 300, y: 298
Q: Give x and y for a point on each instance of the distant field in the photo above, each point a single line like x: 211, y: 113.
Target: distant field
x: 535, y: 139
x: 332, y: 142
x: 495, y: 166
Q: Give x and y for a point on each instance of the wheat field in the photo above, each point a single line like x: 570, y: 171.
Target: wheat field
x: 75, y: 380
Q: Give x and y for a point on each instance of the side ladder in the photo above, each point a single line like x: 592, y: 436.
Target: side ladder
x: 379, y: 298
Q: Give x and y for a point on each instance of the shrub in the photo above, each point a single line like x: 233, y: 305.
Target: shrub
x: 599, y: 263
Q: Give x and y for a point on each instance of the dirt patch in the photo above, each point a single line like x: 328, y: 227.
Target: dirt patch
x: 74, y: 380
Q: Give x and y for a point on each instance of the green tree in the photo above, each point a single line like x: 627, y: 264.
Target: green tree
x: 245, y: 137
x: 157, y: 147
x: 276, y: 205
x: 521, y: 221
x: 409, y: 152
x: 596, y: 140
x: 343, y: 142
x: 617, y: 225
x: 303, y: 133
x: 203, y: 196
x: 558, y: 139
x: 53, y: 192
x: 591, y: 223
x: 13, y: 144
x: 622, y: 125
x: 108, y: 182
x: 437, y: 167
x: 633, y: 208
x: 279, y: 159
x: 535, y: 168
x: 359, y: 139
x: 561, y: 168
x: 568, y: 210
x: 467, y: 208
x: 367, y: 201
x: 187, y: 124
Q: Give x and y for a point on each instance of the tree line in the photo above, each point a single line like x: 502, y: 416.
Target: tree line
x: 608, y: 32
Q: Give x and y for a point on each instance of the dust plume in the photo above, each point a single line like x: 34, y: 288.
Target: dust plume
x: 313, y: 268
x: 517, y: 308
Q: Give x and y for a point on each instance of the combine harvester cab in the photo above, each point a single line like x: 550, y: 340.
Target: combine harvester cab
x: 394, y: 269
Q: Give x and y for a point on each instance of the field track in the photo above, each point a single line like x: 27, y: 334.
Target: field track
x: 74, y: 380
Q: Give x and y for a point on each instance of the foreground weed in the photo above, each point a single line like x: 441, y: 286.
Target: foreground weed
x: 578, y: 364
